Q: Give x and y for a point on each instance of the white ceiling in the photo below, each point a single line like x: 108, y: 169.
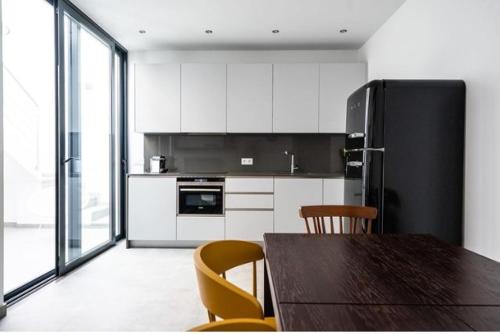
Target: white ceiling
x: 239, y: 24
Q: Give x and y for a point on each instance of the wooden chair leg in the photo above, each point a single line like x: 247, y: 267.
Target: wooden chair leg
x: 211, y: 317
x: 254, y: 279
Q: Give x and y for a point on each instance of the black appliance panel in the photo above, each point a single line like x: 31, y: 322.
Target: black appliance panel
x: 200, y: 197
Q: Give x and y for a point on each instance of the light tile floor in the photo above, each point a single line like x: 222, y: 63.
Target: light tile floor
x: 122, y: 290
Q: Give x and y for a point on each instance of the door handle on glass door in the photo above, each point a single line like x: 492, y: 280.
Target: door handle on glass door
x: 71, y: 158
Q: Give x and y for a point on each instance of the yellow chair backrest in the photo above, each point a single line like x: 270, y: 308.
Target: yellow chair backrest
x: 219, y: 296
x: 235, y: 325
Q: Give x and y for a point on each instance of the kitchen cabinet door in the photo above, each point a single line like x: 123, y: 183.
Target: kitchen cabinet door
x: 192, y: 228
x: 248, y: 225
x: 337, y: 82
x: 333, y: 191
x: 203, y: 98
x: 295, y: 98
x: 157, y: 98
x: 249, y: 98
x: 289, y: 195
x: 151, y: 205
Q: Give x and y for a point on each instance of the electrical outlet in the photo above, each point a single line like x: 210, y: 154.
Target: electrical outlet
x: 246, y: 161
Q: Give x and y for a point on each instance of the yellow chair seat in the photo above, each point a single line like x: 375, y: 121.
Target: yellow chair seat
x: 237, y: 325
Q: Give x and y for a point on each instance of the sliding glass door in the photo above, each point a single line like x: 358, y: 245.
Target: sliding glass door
x: 89, y: 142
x: 29, y: 143
x: 64, y: 151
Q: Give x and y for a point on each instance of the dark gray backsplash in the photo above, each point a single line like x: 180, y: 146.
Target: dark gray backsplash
x: 317, y: 153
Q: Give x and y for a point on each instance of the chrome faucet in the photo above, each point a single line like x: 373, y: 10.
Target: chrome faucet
x: 293, y: 167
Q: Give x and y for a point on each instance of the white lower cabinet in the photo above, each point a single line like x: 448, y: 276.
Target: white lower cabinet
x: 200, y: 228
x: 151, y: 208
x: 248, y: 225
x: 252, y: 208
x: 289, y: 195
x: 333, y: 191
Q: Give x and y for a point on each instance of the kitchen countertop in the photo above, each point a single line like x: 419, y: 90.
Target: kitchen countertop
x: 244, y: 174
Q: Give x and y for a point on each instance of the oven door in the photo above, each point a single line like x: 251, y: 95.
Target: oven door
x: 200, y: 199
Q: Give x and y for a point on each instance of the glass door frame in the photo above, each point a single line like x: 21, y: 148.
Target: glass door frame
x: 62, y: 7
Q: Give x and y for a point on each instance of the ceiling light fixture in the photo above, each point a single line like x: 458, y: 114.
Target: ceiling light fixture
x: 342, y: 31
x: 208, y: 31
x: 142, y: 31
x: 275, y: 31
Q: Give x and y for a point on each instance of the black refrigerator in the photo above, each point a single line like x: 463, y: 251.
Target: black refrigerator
x: 404, y: 154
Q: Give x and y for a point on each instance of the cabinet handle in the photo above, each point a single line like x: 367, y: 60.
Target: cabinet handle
x: 211, y: 190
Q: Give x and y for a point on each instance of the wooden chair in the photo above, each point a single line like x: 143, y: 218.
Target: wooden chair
x: 236, y: 325
x: 220, y: 297
x: 360, y: 218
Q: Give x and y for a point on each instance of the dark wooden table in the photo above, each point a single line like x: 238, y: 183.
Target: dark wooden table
x: 378, y: 282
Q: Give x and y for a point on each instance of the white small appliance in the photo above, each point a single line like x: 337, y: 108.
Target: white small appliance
x: 157, y: 164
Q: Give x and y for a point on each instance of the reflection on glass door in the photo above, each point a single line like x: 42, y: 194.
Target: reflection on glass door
x: 29, y: 137
x: 88, y: 131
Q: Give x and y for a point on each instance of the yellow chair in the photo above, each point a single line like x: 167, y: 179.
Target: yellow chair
x: 220, y: 297
x: 236, y: 325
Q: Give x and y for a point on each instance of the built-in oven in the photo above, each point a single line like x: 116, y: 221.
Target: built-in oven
x: 200, y: 196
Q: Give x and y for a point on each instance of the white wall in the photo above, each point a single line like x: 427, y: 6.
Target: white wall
x: 136, y: 140
x: 454, y: 39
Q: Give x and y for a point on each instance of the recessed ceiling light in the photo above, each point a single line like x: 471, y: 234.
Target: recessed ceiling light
x: 208, y: 31
x: 342, y: 31
x: 142, y: 31
x: 275, y: 31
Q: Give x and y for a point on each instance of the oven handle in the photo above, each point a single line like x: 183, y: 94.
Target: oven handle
x: 211, y: 190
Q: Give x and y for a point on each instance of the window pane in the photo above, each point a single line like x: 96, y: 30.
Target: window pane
x: 29, y: 140
x: 88, y: 140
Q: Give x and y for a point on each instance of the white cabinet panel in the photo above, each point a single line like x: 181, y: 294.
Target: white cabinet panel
x: 333, y: 191
x: 289, y: 195
x: 296, y: 98
x: 203, y: 98
x: 337, y: 82
x: 157, y: 98
x: 200, y: 228
x: 249, y: 185
x: 249, y: 98
x: 248, y: 225
x: 249, y: 201
x: 151, y: 208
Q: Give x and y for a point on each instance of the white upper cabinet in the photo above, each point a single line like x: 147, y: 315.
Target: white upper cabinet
x: 296, y: 98
x: 203, y: 98
x: 157, y: 98
x: 249, y: 98
x: 337, y: 82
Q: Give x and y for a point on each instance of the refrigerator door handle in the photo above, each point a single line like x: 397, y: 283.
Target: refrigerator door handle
x: 369, y: 149
x: 354, y: 164
x: 356, y: 135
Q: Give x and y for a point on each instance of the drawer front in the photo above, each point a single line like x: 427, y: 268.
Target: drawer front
x: 249, y: 225
x: 249, y: 185
x: 200, y: 228
x: 249, y: 201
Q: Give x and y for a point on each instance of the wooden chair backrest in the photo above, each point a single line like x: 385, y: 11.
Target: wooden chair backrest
x: 359, y: 218
x: 221, y: 297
